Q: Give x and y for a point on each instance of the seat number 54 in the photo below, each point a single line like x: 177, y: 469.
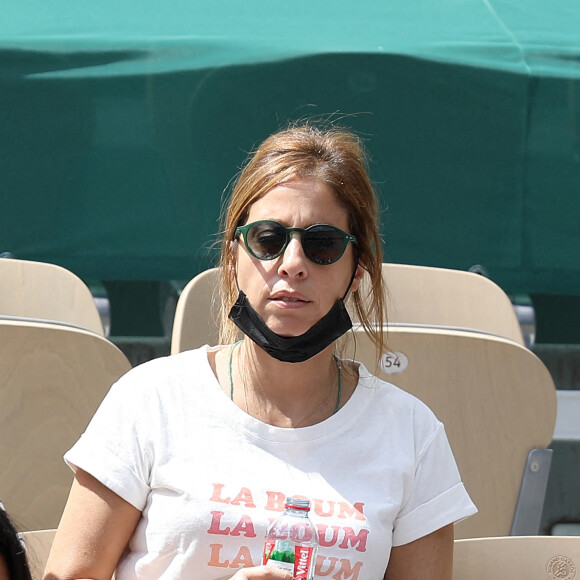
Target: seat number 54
x: 394, y: 362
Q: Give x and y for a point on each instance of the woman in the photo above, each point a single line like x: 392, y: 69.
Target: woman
x: 190, y: 457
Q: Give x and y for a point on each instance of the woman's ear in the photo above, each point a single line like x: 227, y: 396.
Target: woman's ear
x: 232, y: 257
x: 358, y: 276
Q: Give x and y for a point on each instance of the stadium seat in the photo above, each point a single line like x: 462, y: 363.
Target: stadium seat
x: 37, y: 290
x: 448, y: 298
x: 521, y: 557
x: 53, y: 379
x: 497, y: 401
x: 38, y: 544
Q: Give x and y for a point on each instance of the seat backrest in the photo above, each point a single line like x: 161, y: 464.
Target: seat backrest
x: 450, y: 298
x: 196, y: 320
x: 38, y: 544
x: 416, y: 295
x: 46, y: 291
x: 495, y: 397
x: 525, y: 557
x: 53, y: 379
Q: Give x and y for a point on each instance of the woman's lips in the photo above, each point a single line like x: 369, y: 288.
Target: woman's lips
x: 289, y: 300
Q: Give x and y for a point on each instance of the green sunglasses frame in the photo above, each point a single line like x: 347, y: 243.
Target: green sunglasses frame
x: 243, y: 230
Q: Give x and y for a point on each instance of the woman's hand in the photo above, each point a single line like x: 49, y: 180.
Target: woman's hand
x: 261, y: 573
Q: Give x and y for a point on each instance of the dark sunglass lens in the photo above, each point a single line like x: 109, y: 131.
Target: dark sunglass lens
x: 266, y: 240
x: 323, y: 244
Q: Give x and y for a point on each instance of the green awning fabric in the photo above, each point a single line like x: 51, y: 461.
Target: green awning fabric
x: 123, y: 124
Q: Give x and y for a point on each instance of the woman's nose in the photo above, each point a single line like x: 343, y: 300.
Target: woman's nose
x: 294, y: 262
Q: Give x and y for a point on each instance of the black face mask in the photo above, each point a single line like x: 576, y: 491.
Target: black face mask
x: 291, y: 348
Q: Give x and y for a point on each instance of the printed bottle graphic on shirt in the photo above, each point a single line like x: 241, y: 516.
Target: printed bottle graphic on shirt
x: 291, y: 541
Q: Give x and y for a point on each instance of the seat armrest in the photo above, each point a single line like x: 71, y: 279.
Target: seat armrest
x: 528, y: 514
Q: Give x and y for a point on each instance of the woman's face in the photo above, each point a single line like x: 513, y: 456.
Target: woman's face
x: 292, y: 293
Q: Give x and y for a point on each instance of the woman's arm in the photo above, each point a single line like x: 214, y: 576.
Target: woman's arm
x: 428, y: 558
x: 93, y: 532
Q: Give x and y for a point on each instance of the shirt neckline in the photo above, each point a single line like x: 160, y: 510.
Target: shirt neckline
x: 253, y: 428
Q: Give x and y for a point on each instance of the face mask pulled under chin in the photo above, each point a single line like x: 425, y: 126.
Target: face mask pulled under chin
x: 291, y: 348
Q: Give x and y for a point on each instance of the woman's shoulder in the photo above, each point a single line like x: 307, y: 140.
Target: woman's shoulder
x: 393, y: 401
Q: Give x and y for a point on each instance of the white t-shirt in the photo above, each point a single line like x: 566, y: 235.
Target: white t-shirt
x: 209, y: 478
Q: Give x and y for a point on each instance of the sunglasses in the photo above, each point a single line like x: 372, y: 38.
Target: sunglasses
x: 322, y: 243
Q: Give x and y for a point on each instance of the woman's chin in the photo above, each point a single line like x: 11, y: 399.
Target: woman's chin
x: 287, y: 330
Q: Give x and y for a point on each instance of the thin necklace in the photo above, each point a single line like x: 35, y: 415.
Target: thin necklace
x: 338, y: 396
x: 230, y: 368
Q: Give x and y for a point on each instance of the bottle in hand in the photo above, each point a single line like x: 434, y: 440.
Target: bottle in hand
x: 292, y: 541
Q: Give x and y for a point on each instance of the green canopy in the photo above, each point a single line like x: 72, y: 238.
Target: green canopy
x: 123, y: 123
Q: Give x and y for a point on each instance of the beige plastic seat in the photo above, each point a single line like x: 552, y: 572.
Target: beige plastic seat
x: 450, y: 298
x: 38, y: 290
x: 38, y: 544
x: 53, y: 379
x: 196, y: 320
x: 498, y: 403
x: 416, y: 295
x: 525, y: 558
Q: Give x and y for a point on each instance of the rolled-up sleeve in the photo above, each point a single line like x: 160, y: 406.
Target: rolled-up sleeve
x: 115, y: 448
x: 437, y: 497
